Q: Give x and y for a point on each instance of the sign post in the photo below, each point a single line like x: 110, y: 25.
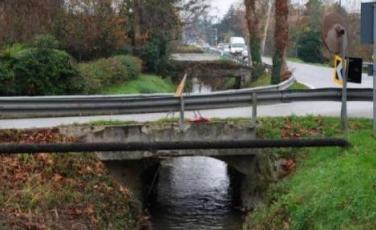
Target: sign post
x: 335, y: 38
x: 180, y: 93
x: 374, y: 68
x: 344, y: 119
x: 368, y: 35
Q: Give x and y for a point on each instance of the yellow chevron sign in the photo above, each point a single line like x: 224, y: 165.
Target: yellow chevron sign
x: 338, y: 70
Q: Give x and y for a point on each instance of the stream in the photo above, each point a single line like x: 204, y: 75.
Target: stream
x: 194, y: 193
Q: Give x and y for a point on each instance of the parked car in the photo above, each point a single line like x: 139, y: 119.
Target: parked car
x: 237, y: 45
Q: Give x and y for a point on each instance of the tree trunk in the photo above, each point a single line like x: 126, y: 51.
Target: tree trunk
x: 253, y: 25
x: 281, y: 37
x: 136, y: 25
x: 269, y: 15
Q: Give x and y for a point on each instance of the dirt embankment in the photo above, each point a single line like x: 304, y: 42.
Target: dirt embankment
x: 60, y: 191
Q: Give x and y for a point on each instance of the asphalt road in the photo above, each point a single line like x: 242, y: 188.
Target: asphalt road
x: 361, y: 110
x: 311, y: 75
x: 315, y: 76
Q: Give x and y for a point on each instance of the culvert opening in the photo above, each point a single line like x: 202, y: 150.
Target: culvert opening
x: 194, y: 193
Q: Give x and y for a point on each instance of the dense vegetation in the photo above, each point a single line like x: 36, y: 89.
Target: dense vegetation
x: 331, y: 188
x: 37, y: 70
x: 105, y: 72
x: 43, y: 69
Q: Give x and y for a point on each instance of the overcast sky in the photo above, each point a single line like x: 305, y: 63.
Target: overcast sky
x: 220, y: 7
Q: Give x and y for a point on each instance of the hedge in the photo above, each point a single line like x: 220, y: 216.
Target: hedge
x: 102, y: 73
x: 37, y: 71
x: 42, y: 69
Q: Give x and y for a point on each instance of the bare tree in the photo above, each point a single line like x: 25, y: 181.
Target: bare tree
x: 21, y: 20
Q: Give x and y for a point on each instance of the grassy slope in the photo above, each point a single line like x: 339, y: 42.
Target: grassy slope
x: 143, y: 84
x: 266, y: 79
x: 54, y: 191
x: 331, y: 188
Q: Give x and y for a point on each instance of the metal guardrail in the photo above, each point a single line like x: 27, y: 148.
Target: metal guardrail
x: 60, y: 106
x: 32, y: 107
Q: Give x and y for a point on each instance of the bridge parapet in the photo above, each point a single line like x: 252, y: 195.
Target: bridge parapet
x: 151, y: 133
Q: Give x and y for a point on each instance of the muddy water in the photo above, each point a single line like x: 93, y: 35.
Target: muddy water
x: 194, y: 193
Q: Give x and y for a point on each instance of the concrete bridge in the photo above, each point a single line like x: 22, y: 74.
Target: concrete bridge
x: 250, y: 170
x: 208, y: 67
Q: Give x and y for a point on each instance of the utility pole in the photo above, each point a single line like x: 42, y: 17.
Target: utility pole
x: 374, y: 68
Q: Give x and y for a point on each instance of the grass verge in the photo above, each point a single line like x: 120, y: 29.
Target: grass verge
x: 264, y: 80
x: 298, y: 60
x: 298, y: 85
x: 331, y: 188
x: 143, y: 84
x: 267, y: 78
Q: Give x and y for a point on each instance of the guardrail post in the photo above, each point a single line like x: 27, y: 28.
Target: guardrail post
x: 182, y: 108
x: 254, y: 108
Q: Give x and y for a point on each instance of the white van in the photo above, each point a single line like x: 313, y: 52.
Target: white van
x: 237, y: 45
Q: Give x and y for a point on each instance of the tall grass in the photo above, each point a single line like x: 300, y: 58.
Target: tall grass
x: 332, y: 188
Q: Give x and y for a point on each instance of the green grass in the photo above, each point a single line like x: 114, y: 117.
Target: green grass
x: 332, y: 188
x: 298, y: 85
x: 264, y: 80
x: 143, y: 84
x: 298, y: 60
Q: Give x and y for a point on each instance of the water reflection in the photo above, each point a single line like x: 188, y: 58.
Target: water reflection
x: 200, y: 87
x: 194, y: 193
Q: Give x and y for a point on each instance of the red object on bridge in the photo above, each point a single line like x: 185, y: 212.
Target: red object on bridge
x: 199, y: 120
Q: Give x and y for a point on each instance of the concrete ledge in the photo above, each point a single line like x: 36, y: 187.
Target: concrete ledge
x: 218, y: 131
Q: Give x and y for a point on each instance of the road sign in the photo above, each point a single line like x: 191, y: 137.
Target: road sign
x: 355, y: 70
x: 367, y: 22
x: 334, y: 28
x: 338, y: 70
x: 355, y: 66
